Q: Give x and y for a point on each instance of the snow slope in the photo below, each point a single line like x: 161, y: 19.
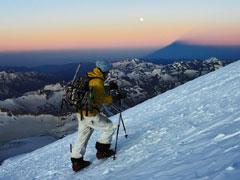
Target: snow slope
x: 20, y: 146
x: 190, y: 132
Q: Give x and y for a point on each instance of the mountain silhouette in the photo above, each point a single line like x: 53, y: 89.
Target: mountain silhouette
x: 183, y: 51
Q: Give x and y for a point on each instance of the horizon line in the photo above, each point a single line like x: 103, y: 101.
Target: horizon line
x: 82, y: 49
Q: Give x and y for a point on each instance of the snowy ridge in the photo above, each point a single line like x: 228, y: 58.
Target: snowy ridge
x: 45, y: 100
x: 144, y: 80
x: 190, y: 132
x: 14, y: 84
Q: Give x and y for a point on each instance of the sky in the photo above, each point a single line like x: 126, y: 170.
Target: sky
x: 110, y: 24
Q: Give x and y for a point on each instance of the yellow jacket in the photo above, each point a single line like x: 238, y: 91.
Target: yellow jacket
x: 99, y: 93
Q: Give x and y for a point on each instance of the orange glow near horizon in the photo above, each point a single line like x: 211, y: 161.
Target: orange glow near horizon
x: 216, y: 36
x: 78, y: 24
x: 112, y: 37
x: 132, y: 36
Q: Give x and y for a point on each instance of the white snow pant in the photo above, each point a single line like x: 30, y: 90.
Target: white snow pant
x: 86, y: 127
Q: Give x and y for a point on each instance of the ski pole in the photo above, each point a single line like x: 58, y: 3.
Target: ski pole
x: 120, y: 111
x: 119, y: 121
x: 124, y: 128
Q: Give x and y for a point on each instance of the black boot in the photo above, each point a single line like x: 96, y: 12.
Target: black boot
x: 78, y: 164
x: 103, y: 150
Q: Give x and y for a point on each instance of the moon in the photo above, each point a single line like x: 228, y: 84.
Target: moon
x: 141, y: 19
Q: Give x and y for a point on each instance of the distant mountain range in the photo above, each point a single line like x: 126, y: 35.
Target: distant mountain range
x: 143, y: 80
x: 62, y: 72
x: 14, y: 84
x: 14, y: 80
x: 140, y: 79
x: 183, y: 51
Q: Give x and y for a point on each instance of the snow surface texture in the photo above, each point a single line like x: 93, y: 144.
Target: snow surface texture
x: 24, y: 116
x: 190, y: 132
x: 16, y: 127
x: 21, y: 146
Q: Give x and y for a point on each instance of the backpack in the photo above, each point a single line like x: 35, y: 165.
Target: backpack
x: 78, y: 93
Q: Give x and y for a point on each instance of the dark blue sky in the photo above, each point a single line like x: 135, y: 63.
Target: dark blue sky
x: 37, y: 58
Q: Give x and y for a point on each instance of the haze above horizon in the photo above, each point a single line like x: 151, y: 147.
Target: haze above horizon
x: 137, y: 24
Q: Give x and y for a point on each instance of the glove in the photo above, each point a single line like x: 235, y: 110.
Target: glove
x: 123, y: 95
x: 113, y: 86
x: 119, y: 96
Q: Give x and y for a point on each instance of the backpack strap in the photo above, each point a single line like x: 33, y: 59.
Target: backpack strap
x: 88, y: 106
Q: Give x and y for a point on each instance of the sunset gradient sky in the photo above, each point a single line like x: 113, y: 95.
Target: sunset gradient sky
x: 27, y: 25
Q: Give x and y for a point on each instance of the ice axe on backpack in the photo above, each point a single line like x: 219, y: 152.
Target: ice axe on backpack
x: 64, y: 99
